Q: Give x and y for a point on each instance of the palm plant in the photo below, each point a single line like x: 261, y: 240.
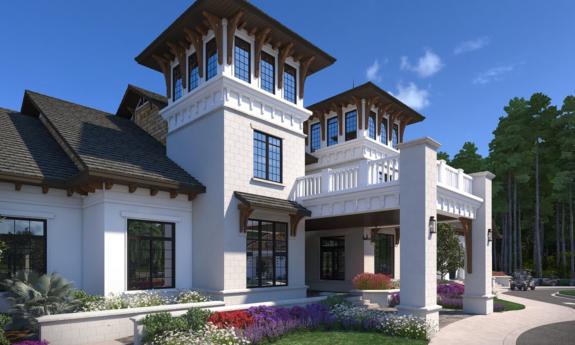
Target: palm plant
x: 32, y: 295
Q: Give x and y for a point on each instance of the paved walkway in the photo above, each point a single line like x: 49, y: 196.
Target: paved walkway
x: 503, y: 328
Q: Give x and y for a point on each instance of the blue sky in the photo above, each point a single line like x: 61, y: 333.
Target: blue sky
x: 459, y: 62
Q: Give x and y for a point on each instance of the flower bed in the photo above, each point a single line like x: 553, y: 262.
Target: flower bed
x: 262, y: 324
x: 136, y: 300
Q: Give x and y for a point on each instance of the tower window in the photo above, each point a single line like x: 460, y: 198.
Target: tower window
x: 242, y: 60
x: 267, y: 72
x: 211, y: 59
x: 371, y: 125
x: 289, y: 86
x: 176, y: 83
x: 351, y: 125
x: 332, y: 126
x: 315, y: 137
x: 194, y: 71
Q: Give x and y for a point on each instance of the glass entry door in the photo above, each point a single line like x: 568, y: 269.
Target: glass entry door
x: 384, y: 254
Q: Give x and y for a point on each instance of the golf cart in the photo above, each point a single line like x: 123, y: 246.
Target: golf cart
x: 522, y: 280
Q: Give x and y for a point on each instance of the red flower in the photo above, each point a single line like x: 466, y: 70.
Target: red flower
x: 372, y: 281
x: 237, y: 319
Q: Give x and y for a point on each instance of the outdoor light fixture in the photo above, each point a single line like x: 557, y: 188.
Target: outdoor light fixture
x: 489, y: 235
x: 432, y: 225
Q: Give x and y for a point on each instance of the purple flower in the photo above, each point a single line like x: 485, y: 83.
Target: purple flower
x: 32, y: 342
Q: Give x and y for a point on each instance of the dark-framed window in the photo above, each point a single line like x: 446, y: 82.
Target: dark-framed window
x: 384, y: 254
x: 350, y: 125
x: 315, y: 137
x: 289, y: 83
x: 267, y: 72
x: 371, y: 125
x: 151, y: 255
x: 242, y: 59
x: 194, y: 72
x: 266, y: 254
x: 395, y: 135
x: 332, y: 131
x: 177, y: 87
x: 384, y: 131
x: 211, y: 59
x: 26, y: 249
x: 267, y: 157
x: 332, y: 258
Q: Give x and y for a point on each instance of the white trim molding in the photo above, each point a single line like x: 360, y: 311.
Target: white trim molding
x: 151, y: 217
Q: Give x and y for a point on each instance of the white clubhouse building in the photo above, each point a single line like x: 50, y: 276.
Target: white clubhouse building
x: 229, y: 185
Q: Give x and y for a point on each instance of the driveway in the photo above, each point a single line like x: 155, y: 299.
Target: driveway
x: 546, y: 294
x: 505, y: 328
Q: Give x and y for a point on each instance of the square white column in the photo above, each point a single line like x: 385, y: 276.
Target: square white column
x: 418, y: 255
x: 478, y: 296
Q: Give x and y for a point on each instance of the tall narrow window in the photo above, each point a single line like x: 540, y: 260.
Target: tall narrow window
x: 266, y: 254
x: 211, y: 59
x: 176, y: 83
x: 371, y: 125
x: 289, y: 83
x: 151, y: 255
x: 267, y: 157
x: 332, y: 258
x: 384, y: 254
x: 383, y: 138
x: 332, y: 131
x: 242, y: 60
x: 25, y: 241
x: 315, y: 137
x: 395, y: 135
x: 194, y: 71
x: 350, y: 125
x: 267, y: 72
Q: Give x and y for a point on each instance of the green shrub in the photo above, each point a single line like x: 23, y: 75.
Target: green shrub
x: 334, y: 300
x: 196, y: 318
x: 4, y: 321
x: 156, y: 324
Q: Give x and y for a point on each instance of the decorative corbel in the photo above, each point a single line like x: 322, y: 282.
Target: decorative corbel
x: 245, y: 213
x: 338, y: 108
x: 165, y: 67
x: 173, y: 194
x: 215, y: 23
x: 45, y: 189
x: 232, y: 26
x: 108, y: 185
x: 153, y: 192
x: 17, y: 187
x: 321, y: 118
x: 397, y: 233
x: 180, y: 53
x: 70, y: 191
x: 466, y: 224
x: 402, y: 124
x: 196, y: 40
x: 359, y: 109
x: 192, y: 196
x: 132, y: 188
x: 294, y: 220
x: 391, y: 121
x: 303, y: 69
x: 261, y: 38
x: 284, y: 52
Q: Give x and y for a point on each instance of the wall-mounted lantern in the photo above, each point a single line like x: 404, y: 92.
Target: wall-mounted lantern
x: 489, y: 235
x: 432, y: 225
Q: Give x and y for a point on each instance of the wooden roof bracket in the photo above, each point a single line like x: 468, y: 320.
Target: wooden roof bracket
x: 233, y: 23
x: 245, y: 213
x: 284, y: 52
x: 165, y: 67
x: 215, y: 23
x: 402, y: 124
x: 359, y: 109
x: 261, y: 38
x: 294, y: 220
x: 368, y: 104
x: 196, y: 40
x: 180, y: 53
x: 338, y: 108
x: 303, y: 69
x: 466, y: 224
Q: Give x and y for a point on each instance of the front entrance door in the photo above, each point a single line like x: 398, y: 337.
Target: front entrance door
x: 384, y: 254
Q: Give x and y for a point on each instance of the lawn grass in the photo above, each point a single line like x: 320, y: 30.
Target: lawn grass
x: 343, y: 338
x: 509, y: 306
x: 569, y: 293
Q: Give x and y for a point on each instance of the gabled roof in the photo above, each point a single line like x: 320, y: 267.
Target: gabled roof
x: 368, y: 91
x: 132, y: 96
x: 108, y: 147
x: 260, y: 201
x: 29, y: 154
x: 252, y: 16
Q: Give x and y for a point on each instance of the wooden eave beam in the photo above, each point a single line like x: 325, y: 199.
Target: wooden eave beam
x: 165, y: 67
x: 303, y: 70
x: 180, y: 53
x: 261, y: 38
x: 215, y: 23
x: 284, y: 52
x: 196, y: 40
x: 233, y: 23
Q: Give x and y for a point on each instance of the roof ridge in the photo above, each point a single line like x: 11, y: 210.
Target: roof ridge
x: 27, y: 91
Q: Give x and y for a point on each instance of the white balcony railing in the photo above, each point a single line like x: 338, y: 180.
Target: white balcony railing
x: 371, y: 173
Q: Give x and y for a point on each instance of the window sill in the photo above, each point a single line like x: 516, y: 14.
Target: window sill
x: 272, y: 183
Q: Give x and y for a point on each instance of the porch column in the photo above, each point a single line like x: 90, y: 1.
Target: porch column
x: 478, y: 296
x: 418, y: 204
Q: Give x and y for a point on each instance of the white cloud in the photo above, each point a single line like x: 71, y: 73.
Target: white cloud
x: 471, y: 45
x: 427, y: 65
x: 413, y: 96
x: 372, y: 72
x: 493, y: 74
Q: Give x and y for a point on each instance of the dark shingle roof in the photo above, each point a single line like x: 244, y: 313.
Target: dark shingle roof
x: 109, y: 145
x: 132, y: 96
x: 259, y: 201
x: 28, y: 151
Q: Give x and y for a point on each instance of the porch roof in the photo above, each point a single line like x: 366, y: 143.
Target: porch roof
x: 260, y: 201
